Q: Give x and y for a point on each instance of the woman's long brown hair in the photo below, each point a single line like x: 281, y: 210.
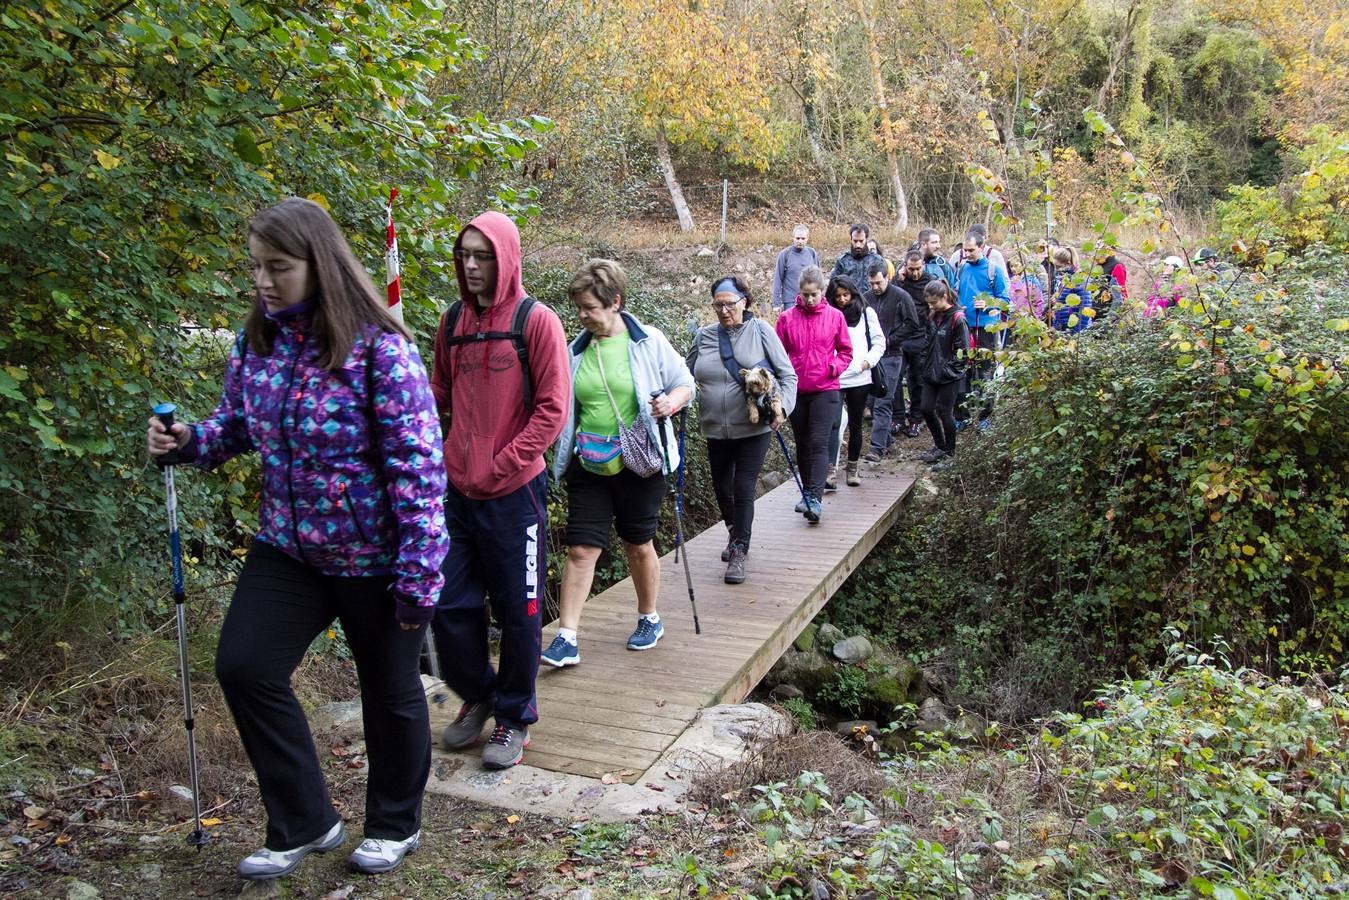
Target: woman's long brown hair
x: 347, y: 299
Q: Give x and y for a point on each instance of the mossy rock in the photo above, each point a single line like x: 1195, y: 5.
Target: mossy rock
x: 805, y: 641
x: 889, y: 685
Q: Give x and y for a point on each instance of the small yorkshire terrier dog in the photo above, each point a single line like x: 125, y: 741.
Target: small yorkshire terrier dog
x: 762, y: 395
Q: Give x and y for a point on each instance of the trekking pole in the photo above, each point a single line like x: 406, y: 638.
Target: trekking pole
x: 433, y: 659
x: 679, y: 481
x: 679, y: 514
x: 791, y: 467
x: 164, y: 412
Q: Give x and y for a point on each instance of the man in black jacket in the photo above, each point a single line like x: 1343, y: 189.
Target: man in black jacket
x: 913, y: 279
x: 857, y: 262
x: 899, y: 320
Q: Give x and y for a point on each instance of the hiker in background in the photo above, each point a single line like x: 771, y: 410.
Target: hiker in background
x: 625, y: 378
x: 1071, y: 299
x: 913, y: 280
x: 1109, y: 284
x: 330, y: 390
x: 736, y: 447
x: 1046, y: 247
x: 982, y: 290
x: 992, y: 253
x: 858, y: 260
x: 868, y: 341
x: 942, y: 368
x: 875, y: 248
x: 815, y: 336
x: 1026, y: 292
x: 900, y: 323
x: 929, y: 242
x: 501, y: 382
x: 787, y: 270
x: 1166, y: 290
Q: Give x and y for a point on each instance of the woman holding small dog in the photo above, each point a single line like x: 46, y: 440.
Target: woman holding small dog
x: 738, y: 356
x: 627, y: 383
x: 815, y: 335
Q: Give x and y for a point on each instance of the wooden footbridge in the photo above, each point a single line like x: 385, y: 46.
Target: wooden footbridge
x: 619, y: 710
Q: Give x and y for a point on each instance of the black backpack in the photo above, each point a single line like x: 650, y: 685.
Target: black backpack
x: 516, y: 336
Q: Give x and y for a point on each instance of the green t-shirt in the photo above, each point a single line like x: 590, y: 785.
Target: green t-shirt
x: 596, y: 425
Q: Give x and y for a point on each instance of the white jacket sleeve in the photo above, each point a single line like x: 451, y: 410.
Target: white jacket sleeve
x: 877, y: 338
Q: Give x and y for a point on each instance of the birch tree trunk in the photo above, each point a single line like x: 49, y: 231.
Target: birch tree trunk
x: 666, y: 166
x: 887, y: 135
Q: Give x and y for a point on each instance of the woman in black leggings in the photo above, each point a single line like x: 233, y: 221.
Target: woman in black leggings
x: 942, y: 367
x: 868, y: 341
x: 736, y: 446
x: 815, y: 336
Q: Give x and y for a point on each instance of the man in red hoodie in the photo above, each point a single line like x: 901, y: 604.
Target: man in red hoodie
x: 495, y: 506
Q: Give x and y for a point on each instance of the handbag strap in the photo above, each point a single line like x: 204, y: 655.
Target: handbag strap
x: 604, y: 380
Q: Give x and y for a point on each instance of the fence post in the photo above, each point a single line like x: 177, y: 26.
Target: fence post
x: 725, y: 192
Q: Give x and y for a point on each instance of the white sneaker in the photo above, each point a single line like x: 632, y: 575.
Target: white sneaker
x: 265, y: 864
x: 376, y: 855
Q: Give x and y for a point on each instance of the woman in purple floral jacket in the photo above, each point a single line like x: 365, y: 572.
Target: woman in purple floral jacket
x: 330, y: 391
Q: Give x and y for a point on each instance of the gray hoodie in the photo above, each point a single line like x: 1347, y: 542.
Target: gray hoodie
x: 722, y: 406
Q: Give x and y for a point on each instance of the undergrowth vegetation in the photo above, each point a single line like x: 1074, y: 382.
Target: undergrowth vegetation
x: 1189, y: 469
x: 1199, y: 779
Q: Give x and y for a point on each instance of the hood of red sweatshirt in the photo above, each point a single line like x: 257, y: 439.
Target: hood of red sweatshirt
x: 504, y: 237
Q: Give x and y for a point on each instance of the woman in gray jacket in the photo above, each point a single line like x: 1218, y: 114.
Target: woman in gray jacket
x: 735, y: 446
x: 625, y: 376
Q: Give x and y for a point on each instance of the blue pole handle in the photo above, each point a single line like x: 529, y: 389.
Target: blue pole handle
x: 164, y: 413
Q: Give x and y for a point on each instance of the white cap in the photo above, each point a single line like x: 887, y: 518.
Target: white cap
x: 1174, y: 261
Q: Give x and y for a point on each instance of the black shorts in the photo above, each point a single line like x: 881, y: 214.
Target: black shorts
x: 630, y: 502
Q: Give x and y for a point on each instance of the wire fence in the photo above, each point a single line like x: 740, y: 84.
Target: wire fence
x: 949, y: 203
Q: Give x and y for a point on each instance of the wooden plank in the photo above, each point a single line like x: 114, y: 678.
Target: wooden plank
x: 619, y: 710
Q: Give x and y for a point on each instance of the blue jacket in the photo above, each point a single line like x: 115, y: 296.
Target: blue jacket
x: 978, y: 278
x: 1071, y: 299
x: 938, y: 268
x: 655, y: 366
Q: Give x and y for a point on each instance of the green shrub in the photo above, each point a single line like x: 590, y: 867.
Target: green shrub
x: 138, y: 140
x: 802, y: 713
x: 1198, y: 779
x: 1190, y: 469
x: 1310, y: 207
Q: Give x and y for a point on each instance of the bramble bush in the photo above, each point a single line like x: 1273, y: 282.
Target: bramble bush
x: 138, y: 140
x: 1310, y: 207
x: 1198, y: 779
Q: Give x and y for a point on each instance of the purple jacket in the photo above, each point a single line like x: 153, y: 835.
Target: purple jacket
x: 353, y: 480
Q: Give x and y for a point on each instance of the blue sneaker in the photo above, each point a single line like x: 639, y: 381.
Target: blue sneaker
x: 813, y: 510
x: 561, y: 652
x: 960, y: 424
x: 646, y: 635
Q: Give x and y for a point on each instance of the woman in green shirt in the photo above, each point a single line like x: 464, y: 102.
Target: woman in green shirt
x: 624, y: 375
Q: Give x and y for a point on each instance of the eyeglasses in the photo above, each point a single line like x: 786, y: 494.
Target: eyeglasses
x: 716, y: 304
x: 480, y: 257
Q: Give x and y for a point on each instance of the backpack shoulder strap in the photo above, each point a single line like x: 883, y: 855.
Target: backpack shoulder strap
x: 517, y: 336
x: 728, y: 356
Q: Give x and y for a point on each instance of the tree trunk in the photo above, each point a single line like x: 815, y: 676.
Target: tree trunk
x: 667, y: 171
x: 887, y: 135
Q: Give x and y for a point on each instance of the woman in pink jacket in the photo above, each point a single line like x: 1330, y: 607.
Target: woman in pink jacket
x: 815, y: 336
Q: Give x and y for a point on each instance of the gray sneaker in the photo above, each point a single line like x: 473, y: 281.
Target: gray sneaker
x: 505, y: 747
x: 735, y: 567
x: 265, y: 864
x: 466, y: 728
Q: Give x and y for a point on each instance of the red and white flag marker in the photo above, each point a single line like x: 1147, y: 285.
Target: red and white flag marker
x: 392, y: 284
